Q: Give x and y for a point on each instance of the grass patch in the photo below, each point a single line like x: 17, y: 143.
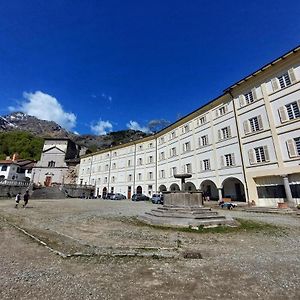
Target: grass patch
x: 246, y: 226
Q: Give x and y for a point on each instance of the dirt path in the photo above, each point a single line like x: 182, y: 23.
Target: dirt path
x: 239, y: 265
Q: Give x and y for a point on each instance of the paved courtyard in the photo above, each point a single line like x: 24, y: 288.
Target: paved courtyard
x: 109, y: 255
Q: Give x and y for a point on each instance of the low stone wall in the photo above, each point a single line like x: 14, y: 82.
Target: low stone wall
x: 76, y: 191
x: 8, y: 191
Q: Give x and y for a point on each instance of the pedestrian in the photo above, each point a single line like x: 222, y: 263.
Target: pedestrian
x: 26, y: 198
x: 18, y: 199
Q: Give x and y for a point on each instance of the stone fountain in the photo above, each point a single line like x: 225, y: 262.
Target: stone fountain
x: 185, y: 209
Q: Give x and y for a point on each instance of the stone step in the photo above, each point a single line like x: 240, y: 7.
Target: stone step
x: 182, y: 222
x: 187, y: 209
x: 48, y: 193
x: 185, y: 216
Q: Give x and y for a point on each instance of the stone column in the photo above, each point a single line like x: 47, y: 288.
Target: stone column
x: 220, y: 194
x: 287, y: 188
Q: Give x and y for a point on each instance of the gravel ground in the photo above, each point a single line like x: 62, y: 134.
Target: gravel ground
x: 257, y: 264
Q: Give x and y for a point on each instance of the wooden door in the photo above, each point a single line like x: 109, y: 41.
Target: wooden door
x: 48, y: 180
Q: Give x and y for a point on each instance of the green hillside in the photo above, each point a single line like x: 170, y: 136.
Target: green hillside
x: 23, y: 143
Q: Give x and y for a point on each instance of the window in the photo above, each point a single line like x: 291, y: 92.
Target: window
x: 201, y: 120
x: 290, y: 111
x: 186, y: 128
x: 258, y: 155
x: 187, y: 147
x: 173, y: 151
x: 253, y: 124
x: 4, y: 168
x: 129, y: 177
x: 150, y: 175
x: 115, y: 153
x: 229, y: 160
x: 173, y: 134
x: 297, y: 143
x: 51, y: 164
x: 113, y: 179
x: 173, y: 171
x: 139, y: 176
x: 162, y: 155
x: 249, y: 97
x: 284, y: 80
x: 106, y: 167
x: 140, y: 147
x: 203, y: 141
x: 221, y: 111
x: 293, y: 146
x: 293, y: 110
x: 224, y: 133
x: 188, y: 168
x: 114, y: 166
x: 105, y: 179
x: 206, y: 164
x: 140, y: 161
x: 129, y: 163
x: 151, y: 145
x: 162, y: 140
x: 150, y: 159
x: 107, y: 155
x: 162, y: 173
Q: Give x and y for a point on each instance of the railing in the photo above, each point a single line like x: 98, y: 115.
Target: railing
x: 14, y: 182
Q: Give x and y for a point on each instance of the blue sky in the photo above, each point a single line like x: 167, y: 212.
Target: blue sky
x: 96, y: 66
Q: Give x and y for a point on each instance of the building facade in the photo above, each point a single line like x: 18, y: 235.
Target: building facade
x: 54, y: 166
x: 243, y: 145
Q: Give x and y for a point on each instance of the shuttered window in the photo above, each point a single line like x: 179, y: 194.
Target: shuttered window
x: 204, y: 140
x: 293, y: 110
x: 297, y: 143
x: 225, y: 133
x: 206, y: 164
x: 284, y: 80
x: 229, y: 160
x: 249, y: 97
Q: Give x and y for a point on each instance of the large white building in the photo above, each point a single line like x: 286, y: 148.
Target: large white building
x: 245, y: 144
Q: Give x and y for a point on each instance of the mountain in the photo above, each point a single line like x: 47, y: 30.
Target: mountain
x: 19, y: 121
x: 24, y: 122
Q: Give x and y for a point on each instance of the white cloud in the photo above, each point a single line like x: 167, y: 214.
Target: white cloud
x: 45, y: 107
x: 101, y: 127
x: 136, y: 126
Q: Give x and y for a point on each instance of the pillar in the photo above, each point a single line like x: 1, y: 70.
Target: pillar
x: 287, y: 188
x: 220, y: 194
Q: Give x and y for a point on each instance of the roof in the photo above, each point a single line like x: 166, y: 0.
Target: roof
x: 7, y: 162
x: 268, y: 65
x: 23, y: 163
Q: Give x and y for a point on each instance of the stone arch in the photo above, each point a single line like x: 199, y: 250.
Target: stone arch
x: 162, y: 188
x: 190, y: 187
x: 233, y: 188
x: 209, y: 190
x: 139, y: 190
x: 174, y: 187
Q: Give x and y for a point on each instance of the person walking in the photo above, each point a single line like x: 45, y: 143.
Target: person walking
x: 26, y: 198
x: 18, y: 199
